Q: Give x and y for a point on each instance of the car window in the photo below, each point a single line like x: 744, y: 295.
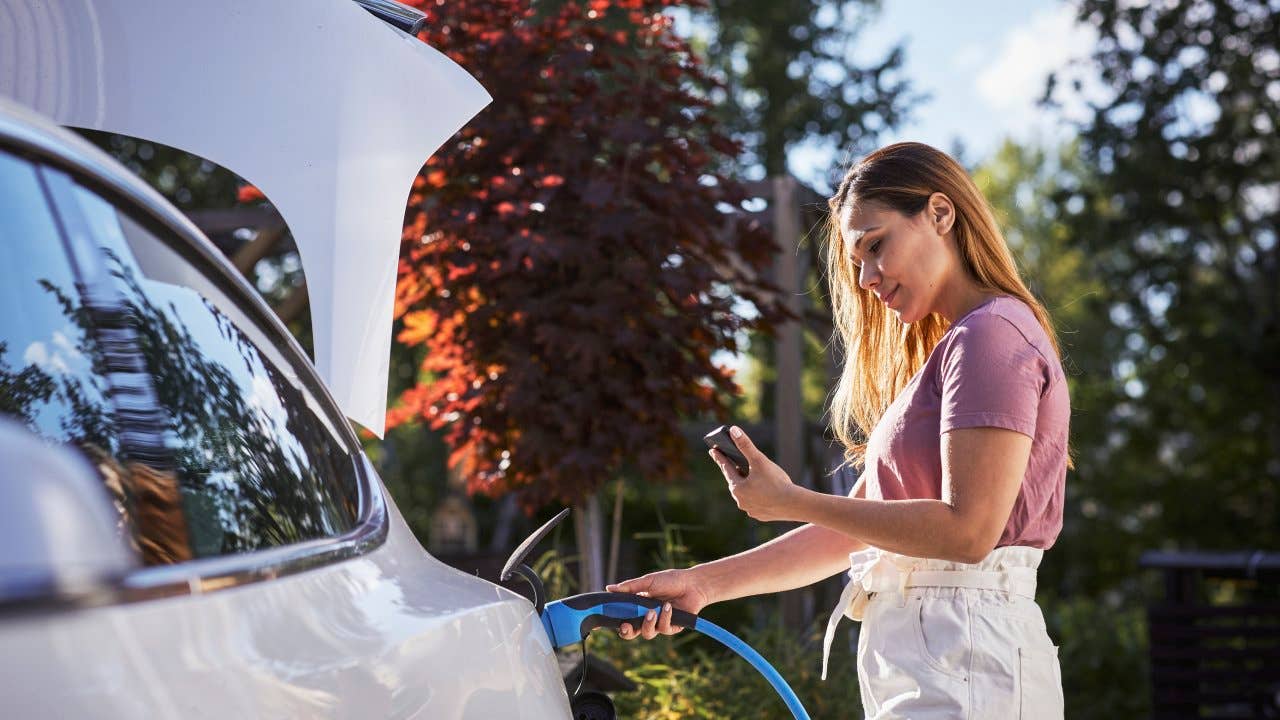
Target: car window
x: 53, y: 377
x: 256, y: 464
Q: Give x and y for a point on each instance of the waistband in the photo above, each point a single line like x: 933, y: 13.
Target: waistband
x: 1002, y: 558
x: 1010, y: 569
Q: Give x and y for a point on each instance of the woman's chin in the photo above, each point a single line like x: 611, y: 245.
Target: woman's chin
x: 905, y: 315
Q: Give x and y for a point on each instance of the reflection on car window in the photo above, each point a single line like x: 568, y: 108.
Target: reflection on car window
x: 255, y: 466
x: 240, y: 433
x: 52, y: 376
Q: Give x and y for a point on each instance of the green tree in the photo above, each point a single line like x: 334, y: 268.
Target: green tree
x: 787, y: 73
x: 1180, y: 227
x: 790, y: 76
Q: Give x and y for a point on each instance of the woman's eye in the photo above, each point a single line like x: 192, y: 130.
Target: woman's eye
x: 876, y: 247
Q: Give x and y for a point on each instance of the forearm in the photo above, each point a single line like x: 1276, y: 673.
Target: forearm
x: 801, y: 557
x: 918, y: 528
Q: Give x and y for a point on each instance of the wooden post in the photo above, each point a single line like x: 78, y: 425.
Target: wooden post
x: 789, y: 349
x: 615, y: 533
x: 588, y: 525
x: 789, y: 425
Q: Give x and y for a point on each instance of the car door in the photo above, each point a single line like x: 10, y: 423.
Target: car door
x: 276, y: 578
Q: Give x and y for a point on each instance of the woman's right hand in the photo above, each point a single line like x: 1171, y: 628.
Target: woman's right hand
x: 678, y: 588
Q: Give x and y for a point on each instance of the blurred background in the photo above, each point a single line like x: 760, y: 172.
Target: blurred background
x: 624, y: 251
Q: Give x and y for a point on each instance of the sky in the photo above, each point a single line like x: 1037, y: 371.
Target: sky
x: 984, y: 63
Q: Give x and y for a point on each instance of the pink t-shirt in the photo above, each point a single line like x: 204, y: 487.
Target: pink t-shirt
x: 994, y: 367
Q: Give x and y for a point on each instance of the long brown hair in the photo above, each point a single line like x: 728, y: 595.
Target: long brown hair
x: 881, y: 353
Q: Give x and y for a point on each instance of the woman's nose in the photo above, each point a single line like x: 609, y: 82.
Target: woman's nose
x: 868, y: 276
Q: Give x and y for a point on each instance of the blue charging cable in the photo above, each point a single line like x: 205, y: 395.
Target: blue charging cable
x: 569, y: 620
x: 748, y: 653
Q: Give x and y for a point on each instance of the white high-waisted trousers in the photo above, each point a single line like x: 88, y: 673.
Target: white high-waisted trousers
x: 942, y: 639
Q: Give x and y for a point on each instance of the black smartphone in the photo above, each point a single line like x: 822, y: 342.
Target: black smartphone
x: 720, y: 440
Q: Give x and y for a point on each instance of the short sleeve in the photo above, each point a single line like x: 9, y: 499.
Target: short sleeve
x: 991, y: 376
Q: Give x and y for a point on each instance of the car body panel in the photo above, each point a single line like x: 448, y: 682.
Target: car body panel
x: 391, y: 634
x: 366, y: 624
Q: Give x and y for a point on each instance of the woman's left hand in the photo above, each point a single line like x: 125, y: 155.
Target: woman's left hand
x: 766, y: 493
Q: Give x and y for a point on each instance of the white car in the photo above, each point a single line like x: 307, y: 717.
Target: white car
x: 188, y: 525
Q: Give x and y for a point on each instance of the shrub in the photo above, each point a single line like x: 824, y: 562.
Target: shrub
x: 693, y: 676
x: 1105, y: 668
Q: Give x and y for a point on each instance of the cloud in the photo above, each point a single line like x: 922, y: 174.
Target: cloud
x: 64, y: 345
x: 37, y: 353
x: 1013, y: 82
x: 58, y: 359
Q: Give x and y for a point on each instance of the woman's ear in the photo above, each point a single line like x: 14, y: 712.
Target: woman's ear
x: 942, y: 213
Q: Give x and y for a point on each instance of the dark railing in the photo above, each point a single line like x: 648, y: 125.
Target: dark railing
x: 1215, y: 637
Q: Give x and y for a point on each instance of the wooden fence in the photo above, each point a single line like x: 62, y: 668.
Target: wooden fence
x: 1215, y: 636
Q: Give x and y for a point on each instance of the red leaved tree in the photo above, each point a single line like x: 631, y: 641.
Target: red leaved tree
x: 572, y: 255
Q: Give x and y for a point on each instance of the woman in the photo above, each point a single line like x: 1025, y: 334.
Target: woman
x: 954, y: 367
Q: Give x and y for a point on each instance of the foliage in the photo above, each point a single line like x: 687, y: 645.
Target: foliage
x: 411, y: 464
x: 1179, y: 224
x: 188, y: 181
x: 787, y: 74
x: 1105, y: 671
x: 569, y: 256
x: 790, y: 76
x: 553, y: 568
x: 693, y: 676
x: 672, y: 550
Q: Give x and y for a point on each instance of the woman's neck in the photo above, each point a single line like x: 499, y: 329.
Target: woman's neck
x: 965, y: 297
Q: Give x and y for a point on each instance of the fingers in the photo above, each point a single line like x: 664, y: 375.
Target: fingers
x: 635, y: 585
x: 743, y: 442
x: 656, y: 622
x: 664, y: 621
x: 726, y: 466
x: 649, y: 630
x: 720, y: 460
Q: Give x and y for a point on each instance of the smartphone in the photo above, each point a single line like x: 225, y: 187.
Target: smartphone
x: 720, y: 440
